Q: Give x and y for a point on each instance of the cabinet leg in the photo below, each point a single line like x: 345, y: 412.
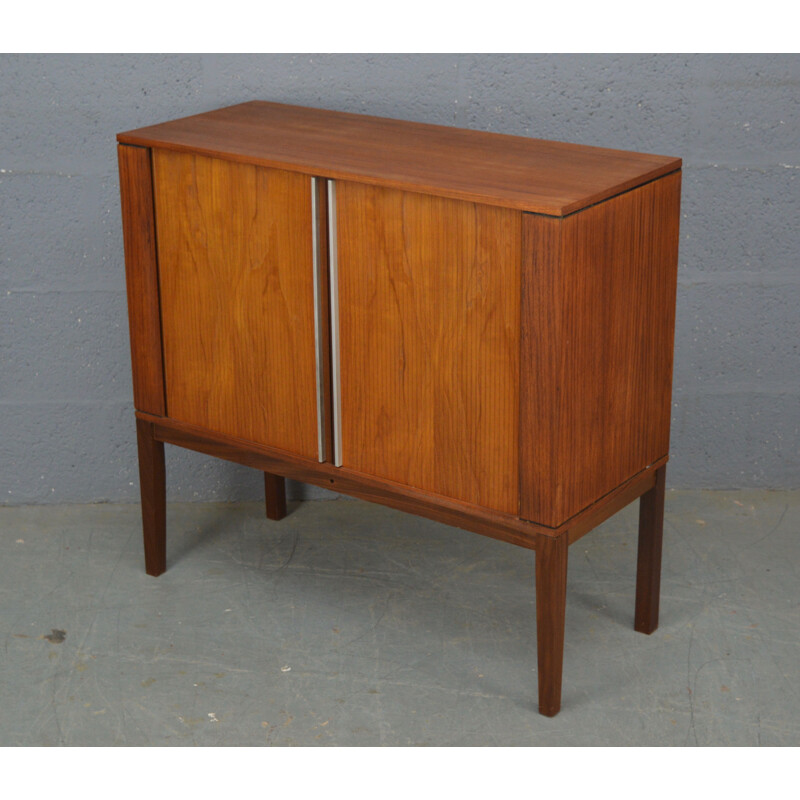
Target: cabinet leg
x: 551, y: 605
x: 648, y: 568
x: 153, y: 486
x: 275, y: 494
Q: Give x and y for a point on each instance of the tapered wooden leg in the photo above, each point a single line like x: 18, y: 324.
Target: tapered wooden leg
x: 551, y: 605
x: 275, y: 493
x: 648, y: 569
x: 153, y: 485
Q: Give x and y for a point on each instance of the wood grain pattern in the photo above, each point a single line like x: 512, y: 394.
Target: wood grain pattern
x: 153, y: 489
x: 648, y: 566
x: 541, y: 343
x: 429, y: 330
x: 497, y: 169
x: 596, y: 365
x: 141, y: 277
x: 235, y: 258
x: 551, y: 606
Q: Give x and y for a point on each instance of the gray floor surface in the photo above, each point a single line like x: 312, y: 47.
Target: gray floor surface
x: 352, y: 624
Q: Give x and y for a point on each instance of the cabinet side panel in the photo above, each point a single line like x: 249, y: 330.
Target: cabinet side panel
x: 429, y: 342
x: 540, y: 492
x: 237, y: 293
x: 141, y: 276
x: 616, y: 295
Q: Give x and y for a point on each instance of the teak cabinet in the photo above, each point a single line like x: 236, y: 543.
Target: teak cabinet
x: 473, y: 327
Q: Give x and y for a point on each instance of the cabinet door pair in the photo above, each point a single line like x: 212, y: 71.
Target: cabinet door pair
x: 425, y: 310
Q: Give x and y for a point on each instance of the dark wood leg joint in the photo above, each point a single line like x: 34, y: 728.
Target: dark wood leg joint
x: 275, y: 494
x: 648, y: 569
x: 551, y: 605
x: 153, y: 487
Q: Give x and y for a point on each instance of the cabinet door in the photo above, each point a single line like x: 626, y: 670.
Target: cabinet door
x: 428, y: 296
x: 237, y: 299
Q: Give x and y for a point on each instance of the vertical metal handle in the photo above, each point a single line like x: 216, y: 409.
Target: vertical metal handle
x: 318, y: 317
x: 336, y: 376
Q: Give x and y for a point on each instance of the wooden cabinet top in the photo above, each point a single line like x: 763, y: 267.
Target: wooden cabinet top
x: 535, y: 175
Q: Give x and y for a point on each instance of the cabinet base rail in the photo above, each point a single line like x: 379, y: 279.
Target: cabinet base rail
x: 551, y: 544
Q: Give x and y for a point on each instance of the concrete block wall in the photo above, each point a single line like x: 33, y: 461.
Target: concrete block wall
x: 66, y: 413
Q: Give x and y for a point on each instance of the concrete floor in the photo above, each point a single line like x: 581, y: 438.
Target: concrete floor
x: 352, y: 624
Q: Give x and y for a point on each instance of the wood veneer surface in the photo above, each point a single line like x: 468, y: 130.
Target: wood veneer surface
x: 429, y: 342
x: 237, y: 299
x: 598, y: 328
x: 141, y: 277
x: 535, y: 175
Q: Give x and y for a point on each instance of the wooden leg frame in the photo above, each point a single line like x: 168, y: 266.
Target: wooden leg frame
x: 551, y: 557
x: 551, y: 591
